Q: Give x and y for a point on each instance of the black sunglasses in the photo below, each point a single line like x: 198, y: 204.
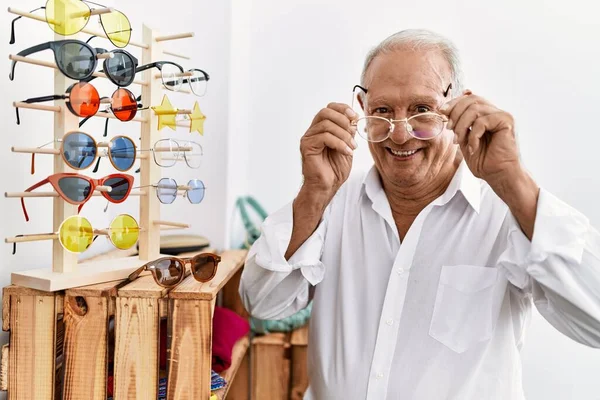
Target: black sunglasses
x: 78, y: 60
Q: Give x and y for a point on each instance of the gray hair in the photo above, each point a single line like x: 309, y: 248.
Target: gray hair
x: 421, y: 39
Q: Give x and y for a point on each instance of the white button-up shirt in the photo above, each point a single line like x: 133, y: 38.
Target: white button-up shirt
x: 440, y: 316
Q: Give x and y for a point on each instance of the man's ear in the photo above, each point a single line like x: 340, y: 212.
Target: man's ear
x: 360, y: 101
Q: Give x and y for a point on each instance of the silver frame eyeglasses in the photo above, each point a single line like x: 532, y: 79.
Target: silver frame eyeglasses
x: 392, y: 122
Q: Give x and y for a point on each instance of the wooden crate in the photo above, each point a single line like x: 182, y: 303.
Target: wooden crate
x: 59, y: 341
x: 279, y: 365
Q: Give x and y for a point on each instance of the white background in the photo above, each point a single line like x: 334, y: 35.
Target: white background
x: 274, y: 64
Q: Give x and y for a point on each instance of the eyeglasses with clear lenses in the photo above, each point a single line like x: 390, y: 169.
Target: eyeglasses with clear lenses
x: 377, y: 128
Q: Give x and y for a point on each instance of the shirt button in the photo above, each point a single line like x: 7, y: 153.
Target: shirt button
x: 389, y: 321
x: 380, y: 375
x: 400, y: 271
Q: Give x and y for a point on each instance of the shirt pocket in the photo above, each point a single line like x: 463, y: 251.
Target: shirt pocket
x: 463, y: 311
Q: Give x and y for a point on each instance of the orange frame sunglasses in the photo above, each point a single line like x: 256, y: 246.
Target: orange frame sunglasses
x: 83, y: 100
x: 170, y: 271
x: 77, y: 189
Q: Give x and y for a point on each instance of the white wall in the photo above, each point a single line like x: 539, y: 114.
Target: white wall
x: 210, y: 51
x: 537, y: 59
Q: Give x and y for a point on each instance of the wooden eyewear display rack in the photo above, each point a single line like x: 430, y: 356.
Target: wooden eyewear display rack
x: 66, y: 272
x: 73, y: 326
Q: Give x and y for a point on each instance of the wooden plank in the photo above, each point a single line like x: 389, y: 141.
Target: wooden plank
x: 136, y: 348
x: 299, y: 336
x: 85, y: 344
x: 190, y: 353
x: 240, y: 349
x: 89, y: 273
x: 240, y: 388
x: 150, y: 172
x: 4, y: 368
x: 31, y: 356
x: 5, y: 310
x: 62, y: 260
x: 231, y: 262
x: 299, y: 363
x: 105, y: 289
x: 231, y: 296
x: 270, y: 367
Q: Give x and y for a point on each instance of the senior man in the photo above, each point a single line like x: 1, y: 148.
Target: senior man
x: 423, y: 270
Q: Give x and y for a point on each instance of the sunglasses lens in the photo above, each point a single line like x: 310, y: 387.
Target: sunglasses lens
x: 121, y: 68
x: 204, y: 267
x: 117, y: 28
x: 168, y: 271
x: 124, y: 105
x: 196, y: 191
x: 193, y: 154
x: 166, y: 152
x: 84, y: 99
x: 76, y: 60
x: 198, y: 82
x: 76, y: 234
x: 77, y: 190
x: 166, y: 190
x: 79, y: 150
x: 122, y: 153
x: 124, y: 231
x: 171, y: 78
x: 67, y: 17
x: 120, y: 188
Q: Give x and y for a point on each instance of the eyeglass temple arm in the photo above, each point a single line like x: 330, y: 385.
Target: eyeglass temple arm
x: 157, y: 64
x: 12, y: 25
x: 29, y: 189
x: 137, y: 272
x: 25, y: 53
x: 39, y: 100
x: 131, y: 277
x: 447, y: 90
x: 206, y: 77
x: 83, y: 121
x: 97, y: 165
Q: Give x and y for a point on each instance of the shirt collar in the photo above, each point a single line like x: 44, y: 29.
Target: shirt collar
x: 463, y: 181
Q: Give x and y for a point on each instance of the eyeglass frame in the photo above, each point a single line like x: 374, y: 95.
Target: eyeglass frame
x: 392, y: 122
x: 188, y: 80
x: 184, y: 260
x: 12, y: 25
x: 186, y: 188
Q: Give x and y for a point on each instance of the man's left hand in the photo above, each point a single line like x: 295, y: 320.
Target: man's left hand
x: 486, y: 136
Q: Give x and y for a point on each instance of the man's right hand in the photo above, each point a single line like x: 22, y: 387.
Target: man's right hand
x: 327, y: 148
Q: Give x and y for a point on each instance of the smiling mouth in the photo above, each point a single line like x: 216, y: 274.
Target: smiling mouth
x: 402, y: 153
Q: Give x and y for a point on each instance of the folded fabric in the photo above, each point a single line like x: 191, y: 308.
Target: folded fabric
x: 228, y: 328
x: 216, y: 381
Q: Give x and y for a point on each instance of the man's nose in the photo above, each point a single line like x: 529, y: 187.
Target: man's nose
x: 400, y: 133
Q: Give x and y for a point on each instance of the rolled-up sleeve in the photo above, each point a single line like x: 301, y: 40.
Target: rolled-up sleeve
x: 271, y: 286
x: 559, y: 268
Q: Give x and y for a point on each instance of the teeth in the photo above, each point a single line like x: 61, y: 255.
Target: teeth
x: 403, y: 153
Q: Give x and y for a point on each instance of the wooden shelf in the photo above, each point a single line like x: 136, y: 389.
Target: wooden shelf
x: 239, y: 351
x: 191, y: 289
x: 88, y: 273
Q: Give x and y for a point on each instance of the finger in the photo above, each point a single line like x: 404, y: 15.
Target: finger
x: 488, y: 123
x: 343, y: 110
x: 468, y: 117
x: 462, y: 106
x: 311, y: 145
x: 329, y: 114
x: 446, y: 109
x: 335, y: 129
